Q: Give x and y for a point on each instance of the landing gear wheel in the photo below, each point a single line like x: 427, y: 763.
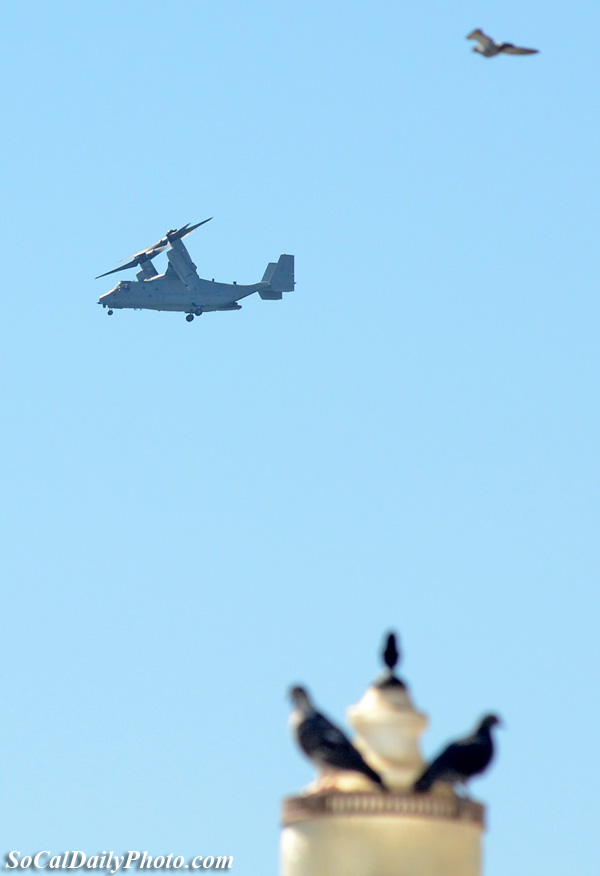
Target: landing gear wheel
x: 190, y: 317
x: 110, y: 313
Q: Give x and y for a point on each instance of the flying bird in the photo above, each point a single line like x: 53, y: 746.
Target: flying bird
x: 488, y: 48
x: 463, y: 759
x: 323, y: 743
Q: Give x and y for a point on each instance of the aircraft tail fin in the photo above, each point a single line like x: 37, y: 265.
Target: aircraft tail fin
x: 280, y: 277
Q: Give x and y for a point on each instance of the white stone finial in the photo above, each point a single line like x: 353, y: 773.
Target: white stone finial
x: 388, y: 729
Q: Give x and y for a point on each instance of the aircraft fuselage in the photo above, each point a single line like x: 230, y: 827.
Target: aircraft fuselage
x: 169, y: 293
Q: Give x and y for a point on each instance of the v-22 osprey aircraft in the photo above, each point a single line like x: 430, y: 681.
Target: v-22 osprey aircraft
x: 181, y: 289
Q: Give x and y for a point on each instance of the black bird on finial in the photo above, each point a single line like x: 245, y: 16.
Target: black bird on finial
x: 462, y: 759
x: 391, y: 656
x: 322, y: 742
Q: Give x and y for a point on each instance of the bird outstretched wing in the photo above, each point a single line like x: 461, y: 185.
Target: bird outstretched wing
x: 510, y: 49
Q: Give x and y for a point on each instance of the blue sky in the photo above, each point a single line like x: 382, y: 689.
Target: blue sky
x: 197, y: 516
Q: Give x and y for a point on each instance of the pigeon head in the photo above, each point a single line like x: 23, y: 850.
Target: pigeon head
x: 490, y: 721
x: 300, y: 698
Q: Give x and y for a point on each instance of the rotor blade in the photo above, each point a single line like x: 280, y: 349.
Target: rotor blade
x: 132, y: 264
x: 153, y: 250
x: 183, y: 232
x: 197, y: 225
x: 157, y: 247
x: 163, y: 243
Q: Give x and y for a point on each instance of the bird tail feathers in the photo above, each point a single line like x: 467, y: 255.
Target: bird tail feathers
x: 375, y: 777
x: 424, y: 782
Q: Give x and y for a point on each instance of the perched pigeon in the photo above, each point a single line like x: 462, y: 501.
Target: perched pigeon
x: 462, y: 759
x: 391, y: 652
x: 391, y: 656
x: 323, y: 743
x: 488, y: 48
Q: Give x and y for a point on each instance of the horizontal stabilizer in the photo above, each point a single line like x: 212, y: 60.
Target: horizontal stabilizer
x: 270, y: 294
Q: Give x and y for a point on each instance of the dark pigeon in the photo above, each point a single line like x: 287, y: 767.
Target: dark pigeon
x: 489, y: 47
x: 391, y: 656
x: 324, y: 743
x: 462, y: 759
x: 391, y: 653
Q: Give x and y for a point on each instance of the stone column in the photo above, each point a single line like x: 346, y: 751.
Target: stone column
x: 354, y: 829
